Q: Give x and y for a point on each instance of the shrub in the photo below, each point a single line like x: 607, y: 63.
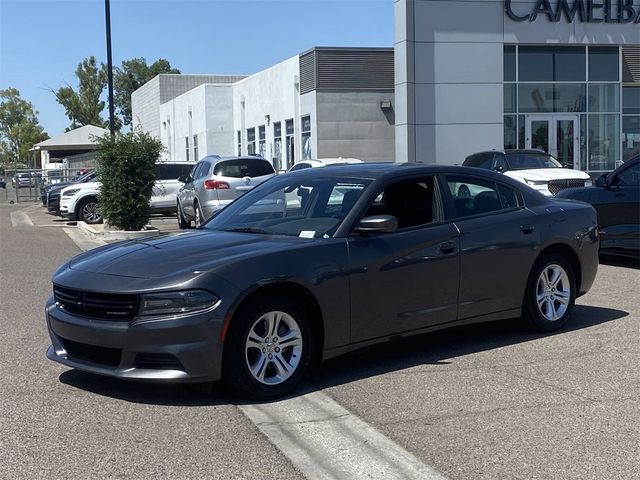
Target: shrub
x: 126, y: 173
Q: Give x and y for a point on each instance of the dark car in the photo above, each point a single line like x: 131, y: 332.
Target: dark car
x: 3, y: 183
x: 616, y: 198
x: 316, y: 263
x: 52, y: 192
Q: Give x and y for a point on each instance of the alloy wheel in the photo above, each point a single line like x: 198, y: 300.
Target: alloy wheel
x: 90, y: 212
x: 553, y: 292
x: 273, y: 348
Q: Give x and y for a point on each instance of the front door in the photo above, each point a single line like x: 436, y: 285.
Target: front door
x: 558, y: 135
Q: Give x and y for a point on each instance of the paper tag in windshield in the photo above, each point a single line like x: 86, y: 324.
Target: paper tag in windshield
x: 307, y: 234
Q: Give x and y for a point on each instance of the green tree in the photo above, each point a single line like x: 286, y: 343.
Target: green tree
x: 19, y: 127
x: 126, y: 171
x: 83, y: 106
x: 132, y: 75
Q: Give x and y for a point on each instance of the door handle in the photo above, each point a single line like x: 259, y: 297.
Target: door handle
x: 527, y: 229
x: 447, y: 247
x: 619, y: 195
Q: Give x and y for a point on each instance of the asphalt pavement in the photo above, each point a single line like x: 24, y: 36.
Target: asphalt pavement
x: 487, y: 401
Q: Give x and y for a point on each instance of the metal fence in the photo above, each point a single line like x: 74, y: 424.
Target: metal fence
x: 28, y: 185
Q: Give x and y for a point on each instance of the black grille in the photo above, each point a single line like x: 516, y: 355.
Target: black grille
x: 93, y: 353
x: 158, y: 361
x: 101, y: 306
x: 556, y: 186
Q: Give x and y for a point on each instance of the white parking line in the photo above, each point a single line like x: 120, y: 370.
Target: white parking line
x: 325, y: 441
x: 21, y: 218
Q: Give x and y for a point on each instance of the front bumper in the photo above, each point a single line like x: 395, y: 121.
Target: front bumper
x: 176, y: 349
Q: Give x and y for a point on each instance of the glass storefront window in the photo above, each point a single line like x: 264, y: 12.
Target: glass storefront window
x: 604, y: 64
x: 604, y: 142
x: 510, y: 132
x: 510, y: 98
x: 558, y: 97
x: 551, y: 64
x: 631, y: 100
x: 509, y: 63
x: 630, y: 137
x: 604, y: 97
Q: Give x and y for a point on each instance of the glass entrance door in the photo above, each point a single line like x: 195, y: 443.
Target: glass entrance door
x: 557, y: 135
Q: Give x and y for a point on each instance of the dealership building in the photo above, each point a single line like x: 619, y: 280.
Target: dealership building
x: 324, y: 103
x: 562, y: 75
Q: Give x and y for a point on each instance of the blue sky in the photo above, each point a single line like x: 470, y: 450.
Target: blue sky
x: 41, y: 42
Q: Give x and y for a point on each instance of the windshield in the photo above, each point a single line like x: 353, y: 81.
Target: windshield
x: 526, y: 161
x: 307, y: 206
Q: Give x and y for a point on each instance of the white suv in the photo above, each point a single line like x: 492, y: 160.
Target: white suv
x: 80, y: 201
x: 536, y: 168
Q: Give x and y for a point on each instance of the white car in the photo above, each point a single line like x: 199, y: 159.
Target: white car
x: 80, y: 201
x: 536, y: 168
x: 323, y: 162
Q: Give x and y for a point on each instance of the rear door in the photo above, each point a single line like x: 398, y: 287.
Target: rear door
x: 498, y: 244
x: 187, y: 192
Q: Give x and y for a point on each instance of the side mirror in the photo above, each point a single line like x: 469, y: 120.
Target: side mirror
x: 601, y: 181
x: 378, y: 224
x: 183, y: 178
x: 499, y: 168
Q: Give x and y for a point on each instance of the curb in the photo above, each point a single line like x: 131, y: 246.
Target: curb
x: 114, y: 235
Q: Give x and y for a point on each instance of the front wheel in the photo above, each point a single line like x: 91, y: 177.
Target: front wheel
x: 89, y: 211
x: 269, y: 349
x: 550, y: 295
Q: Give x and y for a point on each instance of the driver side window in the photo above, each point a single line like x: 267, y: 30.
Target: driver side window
x: 412, y: 202
x: 629, y: 177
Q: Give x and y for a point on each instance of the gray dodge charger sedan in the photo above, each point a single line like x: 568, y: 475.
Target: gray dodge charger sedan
x: 316, y: 263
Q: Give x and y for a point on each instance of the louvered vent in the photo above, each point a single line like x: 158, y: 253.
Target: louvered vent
x: 347, y: 69
x: 308, y: 72
x: 631, y: 64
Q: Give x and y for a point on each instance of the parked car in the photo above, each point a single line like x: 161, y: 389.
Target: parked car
x: 536, y: 168
x: 214, y: 182
x: 20, y: 180
x: 3, y: 183
x: 323, y: 162
x: 283, y: 277
x: 52, y: 192
x: 165, y: 190
x: 80, y: 201
x: 616, y: 198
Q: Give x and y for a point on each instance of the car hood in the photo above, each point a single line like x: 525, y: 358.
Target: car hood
x: 177, y: 253
x: 546, y: 174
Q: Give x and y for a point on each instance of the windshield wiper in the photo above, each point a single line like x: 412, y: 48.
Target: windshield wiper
x: 246, y: 230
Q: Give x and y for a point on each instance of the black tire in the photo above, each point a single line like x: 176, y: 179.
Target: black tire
x: 538, y: 317
x: 88, y: 211
x: 236, y: 373
x: 198, y: 214
x: 182, y: 223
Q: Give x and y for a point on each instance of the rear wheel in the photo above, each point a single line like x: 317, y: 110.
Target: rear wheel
x: 268, y: 350
x: 88, y: 211
x: 182, y: 223
x: 550, y: 295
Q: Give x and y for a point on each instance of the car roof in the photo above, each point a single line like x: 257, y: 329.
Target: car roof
x: 217, y: 158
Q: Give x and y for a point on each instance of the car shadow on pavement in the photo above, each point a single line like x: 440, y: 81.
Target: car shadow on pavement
x: 437, y: 348
x: 617, y: 261
x: 427, y: 349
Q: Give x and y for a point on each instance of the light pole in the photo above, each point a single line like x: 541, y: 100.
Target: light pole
x: 107, y: 12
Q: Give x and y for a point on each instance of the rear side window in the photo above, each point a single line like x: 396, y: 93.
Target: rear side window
x: 171, y: 171
x: 243, y: 167
x: 475, y: 196
x: 299, y: 166
x: 202, y: 170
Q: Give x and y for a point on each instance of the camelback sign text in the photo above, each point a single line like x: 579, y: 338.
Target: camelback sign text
x: 588, y: 11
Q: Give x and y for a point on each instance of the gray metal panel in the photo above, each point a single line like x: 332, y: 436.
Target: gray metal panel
x: 307, y: 72
x: 631, y: 64
x: 355, y: 69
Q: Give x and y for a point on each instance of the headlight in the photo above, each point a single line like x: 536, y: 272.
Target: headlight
x: 535, y: 182
x: 588, y: 183
x: 69, y: 193
x: 172, y: 303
